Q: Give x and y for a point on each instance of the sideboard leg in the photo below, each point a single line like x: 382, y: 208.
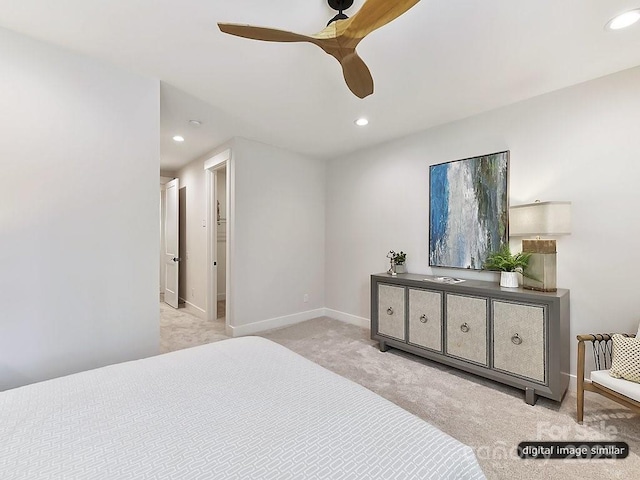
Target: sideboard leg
x: 530, y: 396
x: 383, y: 346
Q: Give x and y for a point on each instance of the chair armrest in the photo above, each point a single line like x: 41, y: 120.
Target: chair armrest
x: 591, y: 337
x: 600, y: 337
x: 595, y: 339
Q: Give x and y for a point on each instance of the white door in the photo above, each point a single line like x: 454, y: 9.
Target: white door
x: 171, y: 251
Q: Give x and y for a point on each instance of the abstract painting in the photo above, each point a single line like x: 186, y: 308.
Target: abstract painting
x: 468, y: 210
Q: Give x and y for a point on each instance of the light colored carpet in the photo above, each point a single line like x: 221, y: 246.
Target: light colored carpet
x: 179, y: 329
x: 490, y: 417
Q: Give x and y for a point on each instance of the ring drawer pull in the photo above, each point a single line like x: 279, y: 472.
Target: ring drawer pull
x: 516, y: 339
x: 464, y: 327
x: 389, y: 311
x: 423, y: 318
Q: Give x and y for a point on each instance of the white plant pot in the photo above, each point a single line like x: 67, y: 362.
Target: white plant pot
x: 401, y: 268
x: 509, y: 279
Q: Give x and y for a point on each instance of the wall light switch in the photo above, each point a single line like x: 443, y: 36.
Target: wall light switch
x: 305, y: 298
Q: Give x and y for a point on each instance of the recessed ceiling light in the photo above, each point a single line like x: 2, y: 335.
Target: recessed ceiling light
x: 624, y: 20
x: 361, y: 122
x: 178, y: 138
x: 195, y: 123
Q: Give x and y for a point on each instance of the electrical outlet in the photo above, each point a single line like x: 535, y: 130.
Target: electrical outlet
x: 305, y: 298
x: 193, y: 293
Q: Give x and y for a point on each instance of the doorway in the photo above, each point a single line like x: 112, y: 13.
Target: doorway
x: 182, y: 246
x: 219, y: 175
x: 220, y: 202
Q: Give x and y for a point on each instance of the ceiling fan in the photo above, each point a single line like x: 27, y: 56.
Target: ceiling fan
x: 340, y: 38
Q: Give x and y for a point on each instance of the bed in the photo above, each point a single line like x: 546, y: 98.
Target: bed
x: 245, y: 408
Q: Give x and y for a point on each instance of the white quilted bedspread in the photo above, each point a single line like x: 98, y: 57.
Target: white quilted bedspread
x: 244, y: 408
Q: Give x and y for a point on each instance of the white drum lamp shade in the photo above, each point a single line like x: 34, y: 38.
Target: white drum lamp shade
x: 540, y: 218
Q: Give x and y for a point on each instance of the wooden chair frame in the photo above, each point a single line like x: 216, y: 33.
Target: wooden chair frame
x: 602, y: 352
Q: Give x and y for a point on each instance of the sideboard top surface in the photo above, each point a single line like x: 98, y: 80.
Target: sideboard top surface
x: 468, y: 286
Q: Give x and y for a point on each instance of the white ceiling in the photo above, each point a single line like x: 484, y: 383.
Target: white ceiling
x: 441, y: 61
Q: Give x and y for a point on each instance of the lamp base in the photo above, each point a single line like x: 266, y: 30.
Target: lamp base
x: 541, y: 271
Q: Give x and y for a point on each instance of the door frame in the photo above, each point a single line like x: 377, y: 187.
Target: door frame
x: 211, y: 166
x: 175, y: 185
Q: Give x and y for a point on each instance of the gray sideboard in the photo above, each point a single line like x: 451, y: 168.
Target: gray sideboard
x: 510, y: 335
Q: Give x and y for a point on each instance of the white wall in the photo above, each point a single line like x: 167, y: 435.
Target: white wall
x: 278, y: 240
x: 193, y: 267
x: 79, y: 152
x: 579, y: 144
x: 279, y: 251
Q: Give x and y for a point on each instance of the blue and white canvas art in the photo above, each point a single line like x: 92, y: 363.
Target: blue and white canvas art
x: 468, y: 210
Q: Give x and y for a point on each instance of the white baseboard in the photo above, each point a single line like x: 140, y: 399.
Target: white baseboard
x: 348, y: 318
x: 194, y: 309
x: 277, y: 322
x: 287, y: 320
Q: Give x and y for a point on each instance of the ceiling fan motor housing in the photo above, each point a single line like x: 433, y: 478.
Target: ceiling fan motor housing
x: 340, y: 5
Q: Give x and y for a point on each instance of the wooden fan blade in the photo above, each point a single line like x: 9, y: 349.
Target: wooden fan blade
x: 262, y: 33
x: 373, y: 15
x: 357, y: 75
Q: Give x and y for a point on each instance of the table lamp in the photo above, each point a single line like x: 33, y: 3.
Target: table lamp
x: 538, y: 219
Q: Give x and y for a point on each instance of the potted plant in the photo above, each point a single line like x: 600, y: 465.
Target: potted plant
x: 509, y: 265
x: 398, y: 260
